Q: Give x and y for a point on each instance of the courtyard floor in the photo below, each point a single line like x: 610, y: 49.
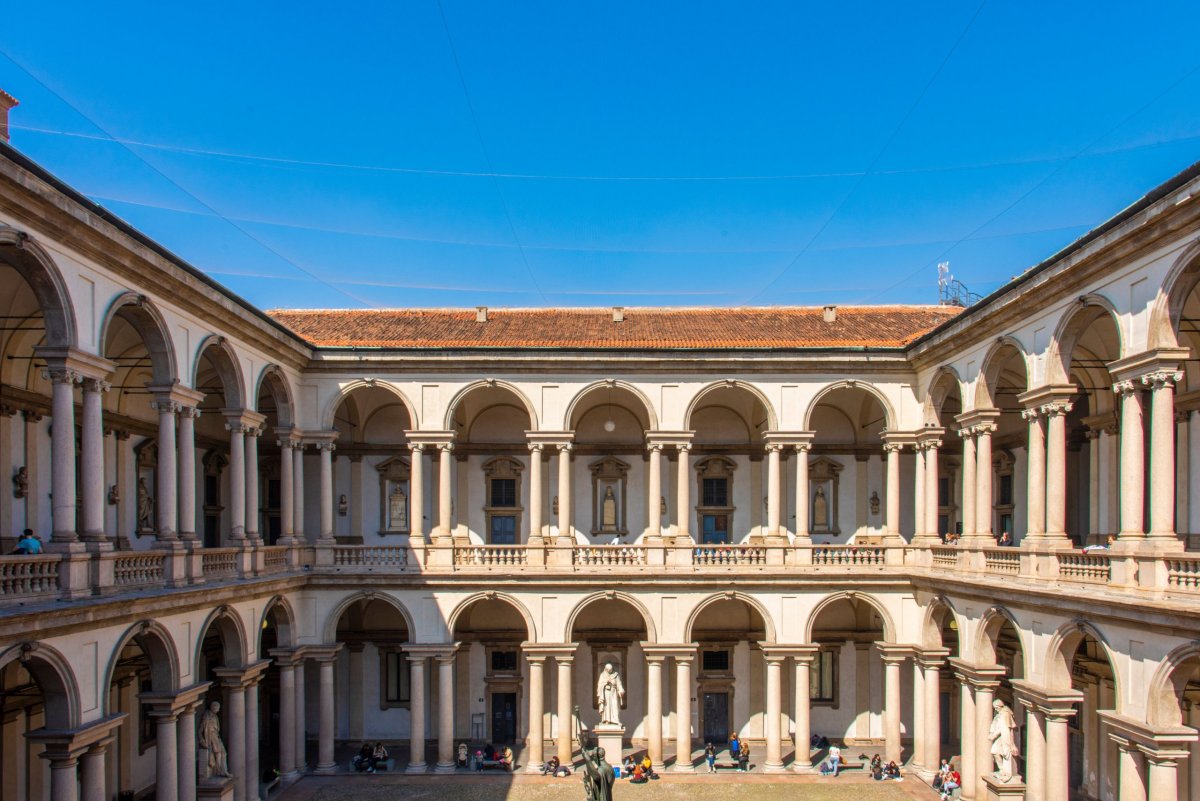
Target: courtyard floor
x: 518, y: 787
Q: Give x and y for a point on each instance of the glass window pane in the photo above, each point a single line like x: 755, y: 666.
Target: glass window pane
x: 504, y: 530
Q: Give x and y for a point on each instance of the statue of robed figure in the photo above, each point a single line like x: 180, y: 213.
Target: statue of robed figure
x: 597, y: 773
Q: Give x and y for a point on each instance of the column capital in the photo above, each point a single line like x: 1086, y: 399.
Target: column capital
x: 535, y: 447
x: 662, y: 437
x: 323, y: 653
x: 684, y: 651
x: 190, y: 412
x: 287, y: 657
x: 95, y: 385
x: 1147, y: 362
x: 439, y: 651
x: 888, y: 447
x: 899, y: 438
x: 1049, y: 398
x: 1126, y: 387
x: 68, y: 744
x: 1146, y: 738
x: 165, y: 405
x: 800, y: 652
x: 234, y: 678
x: 287, y: 437
x: 929, y: 658
x: 75, y: 362
x: 548, y: 439
x: 176, y: 393
x: 1162, y: 378
x: 435, y: 439
x: 1056, y: 704
x: 547, y: 650
x: 774, y: 447
x: 930, y: 436
x: 242, y: 420
x: 177, y: 702
x: 651, y: 446
x: 321, y: 440
x: 978, y: 421
x: 797, y: 439
x: 977, y: 676
x: 893, y: 653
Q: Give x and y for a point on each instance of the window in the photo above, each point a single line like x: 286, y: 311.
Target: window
x: 716, y: 492
x: 1006, y: 489
x: 395, y: 679
x: 504, y: 492
x: 822, y: 677
x: 716, y: 529
x: 715, y: 509
x: 504, y: 661
x: 943, y: 490
x: 715, y: 661
x: 503, y: 502
x: 503, y: 530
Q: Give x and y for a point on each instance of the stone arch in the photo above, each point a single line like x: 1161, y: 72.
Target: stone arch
x: 936, y: 393
x: 331, y: 622
x: 989, y: 375
x: 489, y: 383
x: 147, y: 320
x: 286, y: 627
x: 1071, y: 326
x: 890, y: 421
x: 1164, y: 701
x: 1062, y: 650
x: 984, y: 644
x: 274, y: 381
x: 932, y: 617
x: 572, y: 407
x: 489, y: 595
x: 33, y: 263
x: 889, y: 627
x: 749, y: 600
x: 55, y: 678
x: 228, y: 368
x: 229, y: 628
x: 651, y: 630
x: 159, y: 646
x: 330, y: 412
x: 1165, y: 314
x: 772, y: 416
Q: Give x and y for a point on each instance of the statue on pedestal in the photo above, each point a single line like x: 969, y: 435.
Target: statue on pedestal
x: 210, y: 741
x: 610, y: 692
x: 145, y: 507
x: 1003, y: 743
x: 608, y: 510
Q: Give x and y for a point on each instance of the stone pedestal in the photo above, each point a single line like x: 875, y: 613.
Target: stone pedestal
x: 1004, y: 791
x: 215, y: 790
x: 611, y: 738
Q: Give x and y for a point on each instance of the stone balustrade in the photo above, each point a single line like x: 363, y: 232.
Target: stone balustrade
x: 24, y: 577
x: 132, y: 569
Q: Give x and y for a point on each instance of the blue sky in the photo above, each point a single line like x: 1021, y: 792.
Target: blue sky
x: 597, y: 153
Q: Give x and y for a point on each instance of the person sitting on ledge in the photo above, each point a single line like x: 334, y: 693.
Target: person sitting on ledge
x: 362, y: 760
x: 892, y: 771
x: 639, y: 775
x: 506, y: 759
x: 832, y: 763
x: 743, y: 757
x: 876, y: 768
x: 648, y: 767
x: 627, y: 767
x: 550, y: 766
x: 379, y: 758
x: 463, y: 752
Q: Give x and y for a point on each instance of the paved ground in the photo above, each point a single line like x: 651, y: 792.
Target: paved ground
x: 701, y: 787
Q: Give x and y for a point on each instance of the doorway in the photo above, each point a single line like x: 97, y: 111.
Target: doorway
x: 504, y: 718
x: 716, y: 717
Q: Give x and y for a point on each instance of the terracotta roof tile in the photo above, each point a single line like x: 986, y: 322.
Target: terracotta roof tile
x: 592, y: 328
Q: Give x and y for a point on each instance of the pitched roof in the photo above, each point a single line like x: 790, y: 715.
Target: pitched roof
x: 592, y: 328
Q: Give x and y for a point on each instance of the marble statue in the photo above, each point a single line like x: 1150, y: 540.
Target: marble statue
x: 21, y: 482
x: 610, y: 693
x: 820, y: 508
x: 608, y: 510
x: 1004, y: 745
x: 145, y: 507
x: 210, y: 740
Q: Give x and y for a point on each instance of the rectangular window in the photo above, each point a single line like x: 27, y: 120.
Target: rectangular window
x: 504, y: 492
x: 212, y: 490
x: 714, y: 661
x: 504, y: 661
x: 822, y: 684
x: 716, y: 492
x: 716, y: 529
x: 943, y: 491
x: 396, y: 676
x: 504, y: 530
x: 1006, y: 489
x: 1006, y: 524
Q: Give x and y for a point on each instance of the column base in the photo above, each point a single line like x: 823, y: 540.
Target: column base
x: 326, y: 769
x: 445, y: 767
x: 769, y: 768
x: 684, y: 768
x: 215, y: 789
x: 802, y: 767
x: 416, y: 767
x: 534, y: 767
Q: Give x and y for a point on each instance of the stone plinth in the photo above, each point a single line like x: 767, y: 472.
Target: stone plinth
x: 611, y: 738
x: 214, y: 790
x: 1004, y: 791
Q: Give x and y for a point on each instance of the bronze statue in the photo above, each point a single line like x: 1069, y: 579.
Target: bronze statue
x: 597, y: 773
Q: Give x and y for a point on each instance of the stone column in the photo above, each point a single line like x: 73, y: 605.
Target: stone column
x: 185, y: 738
x: 683, y: 712
x: 683, y: 512
x: 1162, y: 452
x: 1194, y: 755
x: 1093, y: 451
x: 237, y: 479
x: 1193, y: 476
x: 287, y: 715
x: 356, y: 499
x: 1131, y: 783
x: 773, y: 515
x: 62, y: 464
x: 287, y: 526
x: 445, y: 528
x: 64, y: 781
x: 325, y: 734
x: 968, y: 489
x: 252, y: 771
x: 654, y: 707
x: 932, y: 714
x: 918, y: 491
x: 301, y: 734
x: 931, y: 491
x: 298, y: 491
x: 165, y: 502
x: 252, y: 510
x: 803, y: 530
x: 445, y: 661
x: 187, y: 472
x: 1035, y: 756
x: 564, y: 495
x: 984, y: 695
x: 919, y: 759
x: 416, y: 718
x: 1056, y: 469
x: 1058, y: 754
x: 891, y: 703
x: 966, y: 730
x: 1164, y: 775
x: 893, y: 518
x: 93, y: 774
x: 983, y: 479
x: 565, y: 722
x: 166, y: 777
x: 416, y: 495
x: 536, y: 757
x: 1132, y: 478
x: 355, y: 710
x: 92, y: 466
x: 535, y: 492
x: 654, y: 491
x: 325, y: 537
x: 235, y: 734
x: 802, y: 663
x: 1035, y: 492
x: 774, y: 761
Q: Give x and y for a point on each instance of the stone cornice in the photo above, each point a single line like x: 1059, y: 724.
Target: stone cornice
x: 1169, y: 742
x: 415, y: 437
x: 87, y: 365
x: 1147, y: 362
x: 1046, y: 700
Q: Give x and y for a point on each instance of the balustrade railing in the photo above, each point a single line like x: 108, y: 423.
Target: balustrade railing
x: 220, y: 562
x: 944, y: 558
x: 587, y: 556
x: 139, y: 569
x: 849, y: 555
x: 1085, y: 568
x: 490, y: 556
x: 1002, y: 561
x: 729, y: 555
x: 275, y: 559
x: 28, y: 576
x: 370, y: 556
x: 1183, y: 574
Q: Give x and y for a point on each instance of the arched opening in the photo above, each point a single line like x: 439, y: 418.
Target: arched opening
x: 1185, y: 319
x: 846, y: 470
x: 999, y: 646
x: 275, y: 638
x: 493, y: 705
x: 1003, y: 379
x: 143, y: 667
x: 274, y: 401
x: 729, y: 678
x: 372, y: 472
x: 936, y: 695
x: 1082, y: 663
x: 218, y: 378
x: 490, y: 422
x: 34, y: 695
x: 610, y: 631
x: 944, y: 404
